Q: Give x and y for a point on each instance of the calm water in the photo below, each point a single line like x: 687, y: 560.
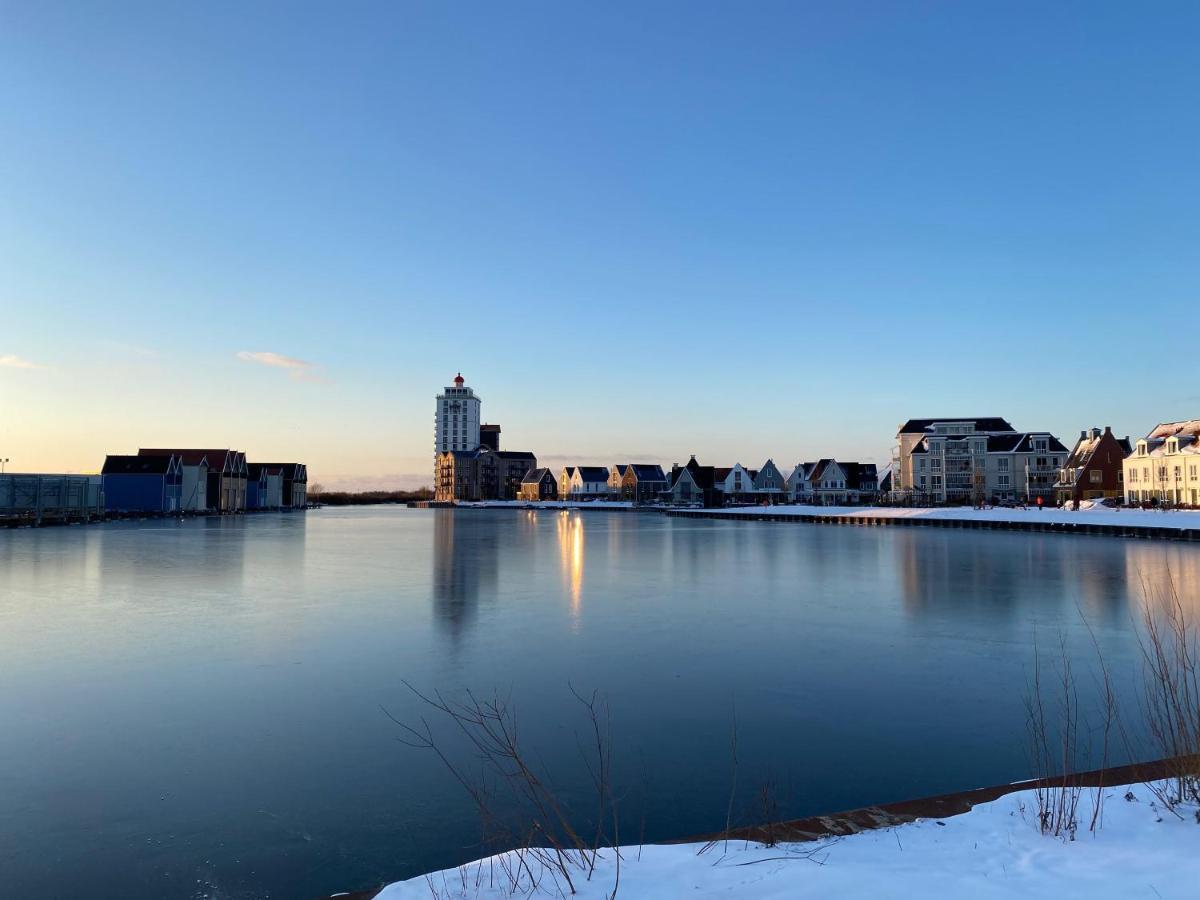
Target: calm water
x: 194, y: 709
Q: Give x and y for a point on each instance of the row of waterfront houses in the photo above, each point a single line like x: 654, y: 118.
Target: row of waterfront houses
x: 166, y: 481
x: 946, y: 460
x: 936, y: 461
x: 961, y: 460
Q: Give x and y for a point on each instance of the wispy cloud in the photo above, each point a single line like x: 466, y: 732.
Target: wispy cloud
x: 297, y: 369
x: 9, y: 361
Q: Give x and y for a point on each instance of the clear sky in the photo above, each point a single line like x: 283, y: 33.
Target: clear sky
x: 640, y: 230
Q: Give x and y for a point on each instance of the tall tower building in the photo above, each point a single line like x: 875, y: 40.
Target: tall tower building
x: 456, y: 420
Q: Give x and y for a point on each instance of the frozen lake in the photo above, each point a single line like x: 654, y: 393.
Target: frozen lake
x: 194, y: 709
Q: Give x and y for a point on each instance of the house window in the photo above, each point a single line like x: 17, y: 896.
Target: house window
x: 1096, y: 476
x: 1002, y: 463
x: 1003, y: 481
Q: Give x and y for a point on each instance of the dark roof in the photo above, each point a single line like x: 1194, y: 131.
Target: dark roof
x: 857, y: 472
x: 294, y: 471
x: 1022, y: 442
x: 702, y: 476
x: 257, y: 470
x: 533, y: 476
x: 570, y: 470
x: 514, y: 454
x: 217, y: 459
x: 593, y: 473
x: 645, y: 472
x: 990, y: 423
x: 189, y: 457
x: 720, y: 473
x: 137, y: 465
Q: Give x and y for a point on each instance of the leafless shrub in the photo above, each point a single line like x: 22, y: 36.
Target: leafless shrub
x: 1054, y: 746
x: 1171, y: 664
x: 548, y: 852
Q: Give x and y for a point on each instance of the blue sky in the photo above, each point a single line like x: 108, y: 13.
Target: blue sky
x: 640, y: 230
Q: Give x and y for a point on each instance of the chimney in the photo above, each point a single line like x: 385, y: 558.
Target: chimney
x: 1108, y: 429
x: 1083, y: 435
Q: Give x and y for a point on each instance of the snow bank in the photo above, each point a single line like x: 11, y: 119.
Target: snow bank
x: 1092, y: 514
x: 995, y: 850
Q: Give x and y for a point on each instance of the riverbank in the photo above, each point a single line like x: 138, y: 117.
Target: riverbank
x: 983, y: 843
x: 1098, y: 520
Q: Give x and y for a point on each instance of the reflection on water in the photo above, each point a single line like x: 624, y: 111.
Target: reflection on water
x: 212, y: 689
x: 570, y: 545
x: 1162, y: 575
x: 466, y: 554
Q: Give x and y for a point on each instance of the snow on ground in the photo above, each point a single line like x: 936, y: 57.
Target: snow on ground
x: 1092, y: 514
x: 995, y: 850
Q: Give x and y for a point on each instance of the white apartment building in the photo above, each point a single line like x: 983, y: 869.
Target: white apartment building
x: 1165, y: 466
x: 968, y: 459
x: 456, y: 419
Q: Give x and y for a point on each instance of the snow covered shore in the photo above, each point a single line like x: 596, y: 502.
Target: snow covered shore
x: 1092, y: 515
x: 994, y: 850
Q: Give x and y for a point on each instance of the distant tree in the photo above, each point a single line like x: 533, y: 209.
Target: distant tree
x: 316, y: 490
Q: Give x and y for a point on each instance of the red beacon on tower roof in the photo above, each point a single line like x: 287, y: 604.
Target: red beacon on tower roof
x: 458, y: 380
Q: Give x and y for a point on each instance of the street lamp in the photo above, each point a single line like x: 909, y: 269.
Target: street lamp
x: 3, y: 463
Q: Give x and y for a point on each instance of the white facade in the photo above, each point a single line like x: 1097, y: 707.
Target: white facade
x: 588, y: 481
x: 456, y: 419
x: 738, y: 481
x: 193, y: 495
x: 1165, y: 466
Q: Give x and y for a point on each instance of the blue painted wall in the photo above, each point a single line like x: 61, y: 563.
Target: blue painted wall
x: 141, y: 493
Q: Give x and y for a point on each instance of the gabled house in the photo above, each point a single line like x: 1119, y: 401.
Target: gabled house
x: 257, y: 482
x: 1094, y: 467
x: 564, y: 480
x: 272, y: 475
x: 1165, y: 465
x: 616, y: 478
x: 226, y: 479
x: 142, y: 484
x: 694, y: 484
x: 539, y: 484
x: 295, y: 485
x: 829, y: 482
x: 588, y: 483
x: 194, y: 466
x: 769, y: 483
x: 643, y: 482
x: 735, y: 482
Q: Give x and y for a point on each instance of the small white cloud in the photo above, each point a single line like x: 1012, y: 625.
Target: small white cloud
x: 9, y: 361
x: 297, y: 369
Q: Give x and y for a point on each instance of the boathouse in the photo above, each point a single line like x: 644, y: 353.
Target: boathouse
x: 142, y: 484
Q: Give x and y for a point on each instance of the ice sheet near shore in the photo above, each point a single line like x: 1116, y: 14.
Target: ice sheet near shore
x: 1087, y: 514
x: 995, y: 850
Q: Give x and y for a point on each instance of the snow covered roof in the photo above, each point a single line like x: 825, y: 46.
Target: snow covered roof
x: 1170, y: 429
